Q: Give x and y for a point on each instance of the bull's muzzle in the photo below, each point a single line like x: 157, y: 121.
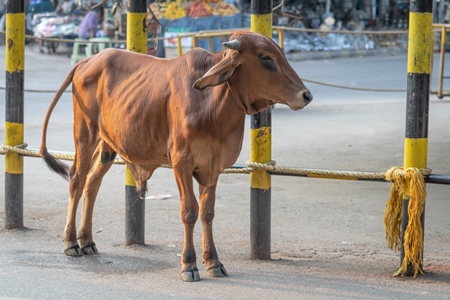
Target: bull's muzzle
x: 302, y: 99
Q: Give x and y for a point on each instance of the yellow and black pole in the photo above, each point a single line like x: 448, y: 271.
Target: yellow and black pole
x: 134, y: 207
x: 15, y: 56
x: 261, y: 151
x: 418, y: 90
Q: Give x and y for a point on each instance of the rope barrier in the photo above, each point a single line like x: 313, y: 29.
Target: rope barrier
x: 352, y: 87
x: 351, y: 175
x: 63, y: 156
x: 304, y: 79
x: 250, y: 167
x: 38, y: 91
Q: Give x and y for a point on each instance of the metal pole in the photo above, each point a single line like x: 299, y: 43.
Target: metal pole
x: 418, y: 90
x: 327, y: 6
x: 281, y: 38
x: 261, y: 151
x: 15, y: 44
x: 134, y: 207
x: 442, y: 62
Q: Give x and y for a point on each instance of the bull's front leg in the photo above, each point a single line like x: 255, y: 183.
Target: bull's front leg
x: 210, y: 258
x: 189, y: 214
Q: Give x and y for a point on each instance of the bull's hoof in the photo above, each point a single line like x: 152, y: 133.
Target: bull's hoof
x: 73, y: 250
x: 190, y: 274
x: 89, y: 249
x: 217, y: 270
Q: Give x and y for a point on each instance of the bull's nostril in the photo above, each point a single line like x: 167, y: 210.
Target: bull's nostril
x: 307, y: 97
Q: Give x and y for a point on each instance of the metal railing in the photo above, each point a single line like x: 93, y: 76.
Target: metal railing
x: 443, y: 44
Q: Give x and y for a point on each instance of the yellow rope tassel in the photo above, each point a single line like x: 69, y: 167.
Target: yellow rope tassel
x: 413, y: 237
x: 393, y: 211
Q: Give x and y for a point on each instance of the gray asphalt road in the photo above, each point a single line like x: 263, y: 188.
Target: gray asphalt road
x: 328, y: 240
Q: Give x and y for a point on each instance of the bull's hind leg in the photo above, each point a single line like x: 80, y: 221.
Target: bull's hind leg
x: 78, y: 173
x: 210, y: 258
x: 189, y: 215
x: 102, y: 160
x: 77, y: 180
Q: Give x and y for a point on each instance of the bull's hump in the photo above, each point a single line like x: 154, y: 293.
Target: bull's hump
x: 200, y: 61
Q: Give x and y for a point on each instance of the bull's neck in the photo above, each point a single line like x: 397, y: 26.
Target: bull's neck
x: 230, y: 109
x: 235, y: 98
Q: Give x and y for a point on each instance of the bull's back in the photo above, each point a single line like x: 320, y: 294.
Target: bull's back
x: 118, y: 72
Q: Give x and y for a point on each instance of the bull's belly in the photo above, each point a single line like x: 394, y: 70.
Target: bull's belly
x: 151, y: 157
x: 139, y: 151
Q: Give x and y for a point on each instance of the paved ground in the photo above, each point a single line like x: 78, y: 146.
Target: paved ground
x: 327, y: 235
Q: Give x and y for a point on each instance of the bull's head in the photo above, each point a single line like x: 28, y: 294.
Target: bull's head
x: 258, y: 74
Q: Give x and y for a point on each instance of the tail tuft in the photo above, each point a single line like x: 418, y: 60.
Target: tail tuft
x: 55, y: 165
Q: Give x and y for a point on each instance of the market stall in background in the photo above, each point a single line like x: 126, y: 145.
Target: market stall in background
x: 169, y: 19
x: 165, y: 20
x: 194, y: 16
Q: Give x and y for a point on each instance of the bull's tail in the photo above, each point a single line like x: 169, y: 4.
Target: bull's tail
x: 54, y: 164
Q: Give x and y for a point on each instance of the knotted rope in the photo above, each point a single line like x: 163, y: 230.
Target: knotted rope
x: 411, y: 179
x: 20, y: 149
x: 12, y: 149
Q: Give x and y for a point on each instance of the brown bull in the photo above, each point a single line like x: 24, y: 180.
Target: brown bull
x: 188, y: 112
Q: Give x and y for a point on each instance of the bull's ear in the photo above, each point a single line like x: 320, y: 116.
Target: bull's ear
x: 217, y: 74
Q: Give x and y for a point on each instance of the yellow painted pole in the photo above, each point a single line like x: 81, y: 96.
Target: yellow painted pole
x: 416, y: 136
x: 280, y: 37
x: 441, y: 62
x: 135, y: 208
x: 179, y: 47
x: 14, y: 115
x: 261, y: 152
x: 137, y: 30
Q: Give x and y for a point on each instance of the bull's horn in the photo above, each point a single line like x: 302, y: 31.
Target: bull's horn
x: 234, y: 45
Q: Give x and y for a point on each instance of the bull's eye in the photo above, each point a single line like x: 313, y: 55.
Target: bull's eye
x: 267, y: 62
x: 264, y: 57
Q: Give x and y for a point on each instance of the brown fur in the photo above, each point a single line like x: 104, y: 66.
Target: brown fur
x: 188, y: 111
